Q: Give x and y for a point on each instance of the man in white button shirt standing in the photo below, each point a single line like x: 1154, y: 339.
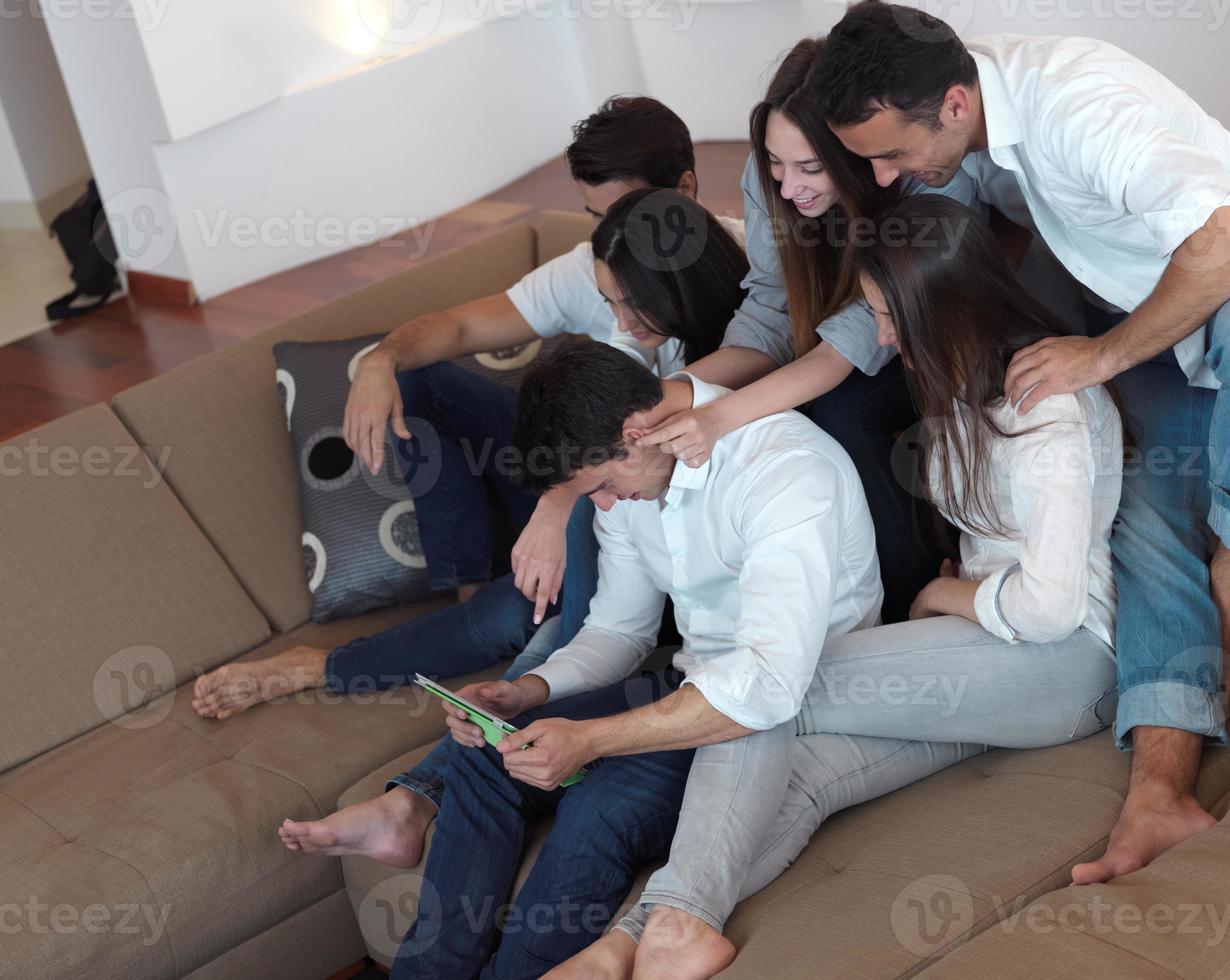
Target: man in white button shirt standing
x: 767, y: 550
x: 1127, y: 180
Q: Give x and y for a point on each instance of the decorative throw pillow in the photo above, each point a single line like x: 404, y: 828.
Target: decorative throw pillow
x: 361, y: 548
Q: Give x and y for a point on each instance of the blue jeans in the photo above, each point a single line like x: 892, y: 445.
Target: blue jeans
x: 866, y: 415
x: 580, y: 584
x: 495, y: 624
x: 1175, y: 504
x: 455, y: 464
x: 620, y: 816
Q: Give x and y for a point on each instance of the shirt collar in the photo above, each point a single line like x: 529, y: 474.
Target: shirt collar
x: 685, y: 477
x: 1003, y: 124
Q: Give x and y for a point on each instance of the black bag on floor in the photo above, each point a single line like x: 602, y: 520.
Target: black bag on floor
x: 86, y: 240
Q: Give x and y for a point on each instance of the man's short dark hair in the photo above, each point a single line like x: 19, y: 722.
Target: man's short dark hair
x: 633, y: 138
x: 885, y: 55
x: 572, y: 408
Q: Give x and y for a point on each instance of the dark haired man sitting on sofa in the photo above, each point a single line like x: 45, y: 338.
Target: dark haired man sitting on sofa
x: 775, y: 526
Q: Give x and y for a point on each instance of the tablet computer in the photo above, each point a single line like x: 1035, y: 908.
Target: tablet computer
x: 493, y: 728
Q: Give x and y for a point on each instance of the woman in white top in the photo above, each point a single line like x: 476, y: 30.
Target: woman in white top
x: 1012, y: 648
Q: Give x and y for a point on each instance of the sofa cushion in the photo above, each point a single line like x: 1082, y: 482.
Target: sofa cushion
x: 207, y: 846
x: 319, y: 740
x: 282, y: 952
x: 111, y: 593
x: 560, y: 232
x: 1169, y: 919
x: 190, y: 806
x: 231, y: 461
x: 72, y: 911
x: 887, y: 887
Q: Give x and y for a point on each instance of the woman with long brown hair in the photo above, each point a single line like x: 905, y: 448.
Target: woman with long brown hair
x: 816, y: 197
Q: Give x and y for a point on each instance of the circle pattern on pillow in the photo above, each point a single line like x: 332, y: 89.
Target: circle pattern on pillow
x: 510, y: 358
x: 326, y: 463
x: 399, y: 535
x: 315, y: 561
x: 286, y: 393
x: 353, y: 366
x: 361, y: 543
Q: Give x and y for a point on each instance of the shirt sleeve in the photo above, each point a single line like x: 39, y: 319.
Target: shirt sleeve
x: 1050, y: 467
x: 790, y: 522
x: 621, y: 630
x: 852, y: 333
x: 761, y: 321
x: 1110, y: 138
x: 557, y: 297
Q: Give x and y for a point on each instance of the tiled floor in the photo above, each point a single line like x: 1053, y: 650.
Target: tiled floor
x: 33, y: 272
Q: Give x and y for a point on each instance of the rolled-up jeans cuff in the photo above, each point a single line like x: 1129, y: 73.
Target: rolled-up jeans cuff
x: 633, y: 921
x: 433, y: 790
x: 1170, y: 704
x: 333, y: 683
x: 1219, y: 513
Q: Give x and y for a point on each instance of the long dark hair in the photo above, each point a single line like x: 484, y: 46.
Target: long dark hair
x: 677, y: 265
x: 960, y: 315
x: 816, y: 256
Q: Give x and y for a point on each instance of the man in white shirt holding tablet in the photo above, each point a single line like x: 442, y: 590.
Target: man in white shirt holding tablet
x: 1127, y: 180
x: 766, y: 550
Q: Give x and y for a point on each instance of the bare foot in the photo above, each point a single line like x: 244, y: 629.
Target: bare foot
x: 610, y: 958
x: 236, y: 687
x: 1145, y: 829
x: 1160, y: 810
x: 679, y: 946
x: 391, y: 829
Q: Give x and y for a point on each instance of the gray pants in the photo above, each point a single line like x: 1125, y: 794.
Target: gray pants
x: 887, y: 707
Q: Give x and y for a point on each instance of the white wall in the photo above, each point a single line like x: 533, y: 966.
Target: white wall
x: 713, y: 71
x: 40, y: 148
x: 116, y: 104
x: 1186, y: 40
x: 233, y: 139
x: 14, y: 187
x: 374, y: 152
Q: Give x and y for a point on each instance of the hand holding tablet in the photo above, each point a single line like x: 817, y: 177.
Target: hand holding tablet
x: 494, y: 728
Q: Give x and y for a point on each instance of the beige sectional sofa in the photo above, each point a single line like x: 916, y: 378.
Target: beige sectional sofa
x: 137, y: 840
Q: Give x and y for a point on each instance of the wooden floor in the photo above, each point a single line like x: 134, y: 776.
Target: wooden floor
x: 75, y: 364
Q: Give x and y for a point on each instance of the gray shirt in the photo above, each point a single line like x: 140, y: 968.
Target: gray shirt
x: 763, y: 324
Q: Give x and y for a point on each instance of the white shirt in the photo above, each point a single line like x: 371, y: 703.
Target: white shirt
x: 766, y: 550
x: 1116, y: 164
x: 1056, y: 491
x: 561, y: 296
